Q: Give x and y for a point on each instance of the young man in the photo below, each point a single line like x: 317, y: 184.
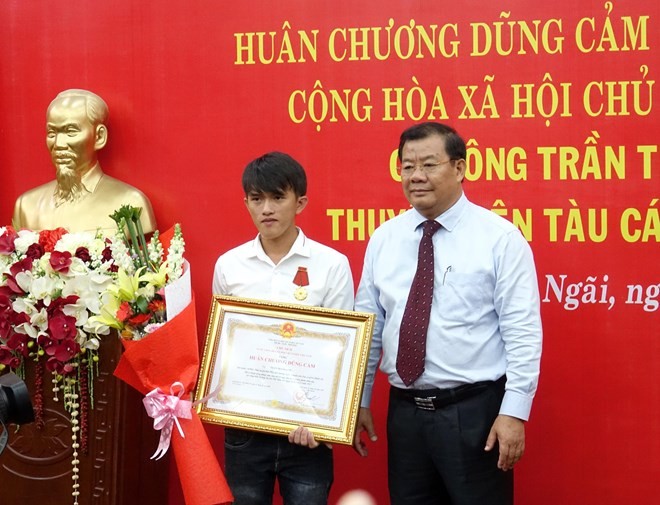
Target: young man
x: 458, y: 333
x: 281, y: 264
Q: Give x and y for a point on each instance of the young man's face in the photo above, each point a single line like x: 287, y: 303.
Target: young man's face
x: 274, y: 214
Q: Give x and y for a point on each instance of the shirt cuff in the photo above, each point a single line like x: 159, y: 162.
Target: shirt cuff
x: 516, y: 405
x: 366, y: 396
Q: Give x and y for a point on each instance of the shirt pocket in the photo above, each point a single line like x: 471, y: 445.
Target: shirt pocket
x: 465, y: 297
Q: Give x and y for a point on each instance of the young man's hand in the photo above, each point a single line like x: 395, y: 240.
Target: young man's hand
x: 302, y: 436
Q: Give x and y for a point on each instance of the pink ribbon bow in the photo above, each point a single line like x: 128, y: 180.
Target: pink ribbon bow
x: 165, y: 411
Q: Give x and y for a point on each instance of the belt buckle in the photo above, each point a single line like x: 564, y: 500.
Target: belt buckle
x: 424, y: 403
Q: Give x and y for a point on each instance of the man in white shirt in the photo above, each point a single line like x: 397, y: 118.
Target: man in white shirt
x: 283, y: 265
x: 455, y: 426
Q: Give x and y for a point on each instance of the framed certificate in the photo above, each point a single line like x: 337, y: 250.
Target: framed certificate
x: 272, y: 367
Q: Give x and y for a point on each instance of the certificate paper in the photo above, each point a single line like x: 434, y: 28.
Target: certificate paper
x: 272, y: 367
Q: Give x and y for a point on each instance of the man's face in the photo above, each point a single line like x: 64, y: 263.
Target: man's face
x: 274, y: 214
x: 71, y: 137
x: 432, y: 183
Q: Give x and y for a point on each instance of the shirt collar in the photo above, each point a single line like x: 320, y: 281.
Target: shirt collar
x: 299, y: 247
x: 449, y: 218
x: 92, y: 178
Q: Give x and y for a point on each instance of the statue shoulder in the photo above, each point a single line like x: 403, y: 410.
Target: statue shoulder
x: 38, y: 192
x: 32, y: 201
x: 113, y: 185
x: 121, y: 193
x: 35, y: 198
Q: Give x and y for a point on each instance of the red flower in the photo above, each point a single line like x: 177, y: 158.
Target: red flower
x: 60, y: 261
x: 157, y: 305
x: 18, y: 342
x: 157, y: 308
x: 21, y: 266
x: 83, y: 254
x: 7, y: 357
x: 5, y: 303
x: 62, y: 327
x: 11, y: 287
x: 7, y: 240
x: 48, y: 238
x: 106, y: 255
x: 124, y: 312
x: 10, y: 319
x: 56, y: 305
x: 58, y: 367
x: 35, y: 251
x: 6, y: 290
x: 139, y: 319
x: 64, y: 350
x: 5, y: 328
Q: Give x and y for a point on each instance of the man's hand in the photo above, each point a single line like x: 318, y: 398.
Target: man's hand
x: 302, y: 436
x: 509, y: 433
x: 364, y: 423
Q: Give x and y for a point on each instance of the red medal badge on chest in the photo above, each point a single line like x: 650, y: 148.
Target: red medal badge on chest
x: 301, y: 279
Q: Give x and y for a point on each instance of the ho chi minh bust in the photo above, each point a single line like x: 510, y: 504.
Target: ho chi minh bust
x: 81, y: 197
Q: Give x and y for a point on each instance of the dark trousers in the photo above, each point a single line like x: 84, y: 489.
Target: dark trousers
x: 254, y: 460
x: 437, y: 457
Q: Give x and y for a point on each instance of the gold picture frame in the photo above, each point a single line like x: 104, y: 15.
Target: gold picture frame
x: 272, y: 367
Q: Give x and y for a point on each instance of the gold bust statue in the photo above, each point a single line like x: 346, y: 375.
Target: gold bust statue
x: 81, y: 197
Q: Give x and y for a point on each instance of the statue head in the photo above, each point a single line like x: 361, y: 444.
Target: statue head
x: 75, y: 131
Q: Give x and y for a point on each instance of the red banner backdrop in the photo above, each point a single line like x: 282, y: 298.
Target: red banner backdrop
x: 556, y: 100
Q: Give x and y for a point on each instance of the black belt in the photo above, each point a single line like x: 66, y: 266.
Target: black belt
x: 433, y: 399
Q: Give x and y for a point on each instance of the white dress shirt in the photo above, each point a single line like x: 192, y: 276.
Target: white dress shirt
x: 485, y: 318
x: 246, y: 271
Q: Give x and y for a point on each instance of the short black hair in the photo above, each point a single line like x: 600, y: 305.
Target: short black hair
x: 275, y: 173
x: 454, y: 144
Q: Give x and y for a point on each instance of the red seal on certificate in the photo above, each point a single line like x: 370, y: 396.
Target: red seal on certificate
x: 287, y: 330
x: 301, y: 279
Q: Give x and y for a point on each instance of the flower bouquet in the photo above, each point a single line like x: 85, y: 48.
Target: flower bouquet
x: 152, y: 307
x: 50, y: 288
x: 62, y: 293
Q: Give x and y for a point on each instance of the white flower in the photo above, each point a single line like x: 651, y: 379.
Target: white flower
x: 43, y: 264
x: 24, y: 306
x: 72, y: 241
x: 77, y: 310
x: 175, y: 254
x: 37, y: 326
x: 92, y: 343
x: 93, y: 327
x: 25, y: 239
x: 27, y: 329
x: 6, y: 261
x: 40, y: 320
x: 121, y: 255
x: 88, y: 288
x: 155, y: 249
x: 44, y: 287
x: 38, y: 288
x: 150, y: 328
